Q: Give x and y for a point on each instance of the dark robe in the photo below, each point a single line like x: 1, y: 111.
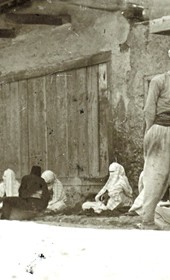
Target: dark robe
x: 33, y: 196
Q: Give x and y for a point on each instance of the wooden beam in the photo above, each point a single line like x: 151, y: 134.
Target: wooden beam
x: 160, y: 26
x: 39, y: 19
x: 108, y: 5
x: 85, y: 61
x: 7, y: 33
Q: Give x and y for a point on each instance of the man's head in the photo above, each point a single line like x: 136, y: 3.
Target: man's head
x: 36, y: 170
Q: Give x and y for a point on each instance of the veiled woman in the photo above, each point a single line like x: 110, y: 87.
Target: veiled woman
x: 117, y: 189
x: 9, y: 186
x: 57, y: 193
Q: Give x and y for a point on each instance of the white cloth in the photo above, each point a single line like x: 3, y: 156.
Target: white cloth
x: 119, y: 191
x: 97, y: 206
x: 58, y: 200
x: 162, y: 215
x: 9, y: 186
x: 138, y: 202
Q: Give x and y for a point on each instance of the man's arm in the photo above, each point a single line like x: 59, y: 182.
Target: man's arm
x: 151, y: 102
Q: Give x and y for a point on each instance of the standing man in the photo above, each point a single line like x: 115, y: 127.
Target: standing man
x: 156, y: 146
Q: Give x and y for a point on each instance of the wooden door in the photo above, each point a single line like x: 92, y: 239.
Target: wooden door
x: 76, y: 106
x: 58, y: 121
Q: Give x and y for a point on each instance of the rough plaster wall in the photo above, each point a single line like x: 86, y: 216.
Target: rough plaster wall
x: 91, y: 31
x: 159, y: 8
x: 148, y: 56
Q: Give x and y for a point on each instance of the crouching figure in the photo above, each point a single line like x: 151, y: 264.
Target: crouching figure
x: 116, y: 193
x: 33, y: 197
x: 58, y: 199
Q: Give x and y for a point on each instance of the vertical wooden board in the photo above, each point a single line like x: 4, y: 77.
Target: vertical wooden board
x: 103, y: 119
x: 57, y: 123
x: 81, y: 88
x: 93, y: 129
x: 62, y: 127
x: 12, y: 156
x: 36, y: 122
x: 24, y: 143
x: 50, y: 89
x: 15, y: 128
x: 3, y: 132
x: 72, y: 123
x: 110, y: 125
x: 5, y: 124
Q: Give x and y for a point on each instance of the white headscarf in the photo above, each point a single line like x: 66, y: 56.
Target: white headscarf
x: 48, y: 176
x: 11, y: 185
x: 118, y: 180
x: 58, y: 190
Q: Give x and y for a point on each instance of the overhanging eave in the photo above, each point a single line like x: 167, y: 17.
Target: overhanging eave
x: 160, y: 26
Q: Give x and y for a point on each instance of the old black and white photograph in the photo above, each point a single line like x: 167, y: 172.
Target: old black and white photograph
x: 84, y: 139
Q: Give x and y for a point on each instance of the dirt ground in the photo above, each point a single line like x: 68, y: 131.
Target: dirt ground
x: 118, y: 219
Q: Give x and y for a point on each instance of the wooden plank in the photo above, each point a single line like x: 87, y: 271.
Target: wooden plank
x: 5, y: 124
x: 103, y: 119
x: 62, y: 128
x: 24, y: 144
x: 12, y: 152
x: 45, y: 122
x: 81, y: 90
x: 110, y: 125
x: 72, y: 123
x: 39, y: 19
x: 51, y: 119
x: 56, y: 68
x: 107, y: 5
x: 93, y: 129
x: 36, y: 123
x: 3, y: 130
x: 7, y: 33
x: 56, y: 91
x: 160, y: 26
